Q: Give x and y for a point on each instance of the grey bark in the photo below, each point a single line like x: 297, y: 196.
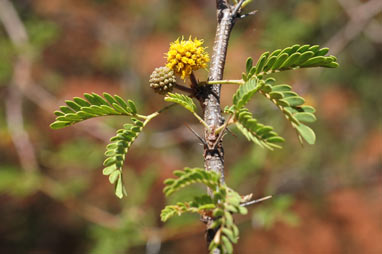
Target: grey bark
x: 214, y: 158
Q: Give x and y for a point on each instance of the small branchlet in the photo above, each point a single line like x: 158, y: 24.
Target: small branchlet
x: 183, y: 59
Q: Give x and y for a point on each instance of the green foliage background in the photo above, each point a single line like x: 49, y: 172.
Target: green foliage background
x: 112, y: 46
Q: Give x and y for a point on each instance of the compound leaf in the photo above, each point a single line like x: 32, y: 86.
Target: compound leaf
x: 293, y: 57
x: 80, y: 109
x: 116, y: 154
x: 191, y: 176
x: 291, y: 105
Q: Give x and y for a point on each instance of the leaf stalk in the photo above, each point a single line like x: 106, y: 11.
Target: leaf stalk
x: 228, y: 82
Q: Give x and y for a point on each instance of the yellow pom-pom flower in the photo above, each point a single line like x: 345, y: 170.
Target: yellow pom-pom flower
x: 184, y: 57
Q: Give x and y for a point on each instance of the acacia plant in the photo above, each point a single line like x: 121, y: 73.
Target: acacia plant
x: 185, y: 56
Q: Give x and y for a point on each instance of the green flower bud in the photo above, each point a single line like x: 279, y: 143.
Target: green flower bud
x: 162, y: 80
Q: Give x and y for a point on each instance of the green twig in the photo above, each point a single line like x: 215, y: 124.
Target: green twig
x: 155, y: 114
x: 224, y: 126
x: 221, y: 82
x: 202, y: 121
x: 141, y: 116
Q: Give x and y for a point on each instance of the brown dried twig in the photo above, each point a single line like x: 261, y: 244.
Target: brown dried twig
x: 360, y: 17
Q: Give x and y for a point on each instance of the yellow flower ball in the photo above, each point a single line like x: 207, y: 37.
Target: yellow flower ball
x: 183, y: 57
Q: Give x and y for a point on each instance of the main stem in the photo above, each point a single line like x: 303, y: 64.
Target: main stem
x: 214, y: 156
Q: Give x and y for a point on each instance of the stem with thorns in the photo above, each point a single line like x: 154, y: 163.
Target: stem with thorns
x: 214, y: 158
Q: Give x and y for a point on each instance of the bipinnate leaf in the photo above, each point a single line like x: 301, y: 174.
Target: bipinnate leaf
x: 93, y: 105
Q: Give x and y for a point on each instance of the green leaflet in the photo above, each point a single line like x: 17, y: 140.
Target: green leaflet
x: 227, y: 245
x: 248, y: 64
x: 306, y: 133
x: 261, y: 63
x: 279, y: 61
x: 305, y: 117
x: 250, y: 70
x: 294, y: 101
x: 80, y: 109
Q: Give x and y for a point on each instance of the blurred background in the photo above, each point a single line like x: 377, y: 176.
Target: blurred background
x: 53, y: 196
